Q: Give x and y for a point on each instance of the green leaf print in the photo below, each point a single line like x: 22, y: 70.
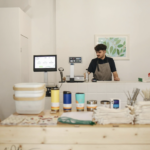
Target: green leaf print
x: 120, y: 45
x: 118, y: 42
x: 118, y: 51
x: 111, y: 49
x: 107, y: 51
x: 124, y: 43
x: 107, y: 45
x: 114, y: 51
x: 115, y: 39
x: 121, y: 51
x: 104, y: 42
x: 122, y: 55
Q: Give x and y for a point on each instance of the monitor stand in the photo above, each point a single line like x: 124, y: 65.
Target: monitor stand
x: 48, y: 87
x: 46, y: 78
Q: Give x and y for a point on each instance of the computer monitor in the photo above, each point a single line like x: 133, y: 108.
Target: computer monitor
x: 44, y: 63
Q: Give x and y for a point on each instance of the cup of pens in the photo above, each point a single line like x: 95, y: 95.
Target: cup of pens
x: 131, y: 102
x: 132, y: 97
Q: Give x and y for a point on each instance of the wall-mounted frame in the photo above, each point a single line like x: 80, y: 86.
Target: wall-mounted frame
x: 117, y: 45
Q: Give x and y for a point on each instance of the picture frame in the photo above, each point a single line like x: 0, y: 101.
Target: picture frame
x: 117, y: 45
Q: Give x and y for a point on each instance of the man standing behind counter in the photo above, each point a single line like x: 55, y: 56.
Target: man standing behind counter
x: 102, y: 67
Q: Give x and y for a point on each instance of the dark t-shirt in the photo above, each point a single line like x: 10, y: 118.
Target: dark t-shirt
x: 93, y: 64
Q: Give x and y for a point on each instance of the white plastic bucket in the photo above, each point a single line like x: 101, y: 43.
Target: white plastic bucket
x: 29, y: 98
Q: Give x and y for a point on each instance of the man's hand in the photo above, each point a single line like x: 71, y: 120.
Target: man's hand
x: 116, y: 78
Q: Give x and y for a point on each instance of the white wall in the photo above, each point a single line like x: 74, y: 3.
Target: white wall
x: 25, y: 30
x: 43, y: 42
x: 13, y: 24
x: 42, y: 14
x: 77, y: 21
x: 9, y: 59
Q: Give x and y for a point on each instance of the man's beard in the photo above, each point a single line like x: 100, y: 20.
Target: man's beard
x: 100, y: 56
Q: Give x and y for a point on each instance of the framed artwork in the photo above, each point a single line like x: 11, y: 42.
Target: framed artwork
x: 117, y: 45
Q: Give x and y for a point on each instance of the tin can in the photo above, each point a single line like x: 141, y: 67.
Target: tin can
x: 105, y: 103
x: 91, y: 105
x: 67, y: 104
x: 55, y: 99
x: 80, y: 98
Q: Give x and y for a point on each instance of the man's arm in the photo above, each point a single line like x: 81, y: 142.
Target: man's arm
x: 116, y: 78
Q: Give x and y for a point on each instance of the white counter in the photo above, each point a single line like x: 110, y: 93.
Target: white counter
x: 101, y: 90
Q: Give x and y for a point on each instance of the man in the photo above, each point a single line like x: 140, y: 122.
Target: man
x: 103, y: 67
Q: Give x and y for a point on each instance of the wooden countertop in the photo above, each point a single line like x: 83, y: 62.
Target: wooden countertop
x: 74, y: 137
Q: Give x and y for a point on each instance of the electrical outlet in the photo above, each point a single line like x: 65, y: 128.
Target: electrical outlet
x: 48, y: 92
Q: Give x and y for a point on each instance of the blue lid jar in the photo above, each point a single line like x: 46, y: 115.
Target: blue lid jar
x: 116, y: 104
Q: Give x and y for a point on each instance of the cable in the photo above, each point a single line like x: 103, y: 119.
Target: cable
x: 60, y: 86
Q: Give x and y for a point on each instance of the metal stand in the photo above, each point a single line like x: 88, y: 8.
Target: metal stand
x: 61, y: 76
x: 46, y: 78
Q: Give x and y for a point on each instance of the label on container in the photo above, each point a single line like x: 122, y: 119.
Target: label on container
x: 94, y: 106
x: 55, y: 106
x: 116, y: 104
x: 80, y: 106
x: 67, y: 106
x: 105, y: 105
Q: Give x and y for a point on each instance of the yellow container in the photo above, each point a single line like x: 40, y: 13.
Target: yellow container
x: 55, y: 99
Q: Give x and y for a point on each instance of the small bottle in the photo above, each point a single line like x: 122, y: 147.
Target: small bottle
x: 87, y: 76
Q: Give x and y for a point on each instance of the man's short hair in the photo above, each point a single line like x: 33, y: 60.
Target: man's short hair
x: 100, y: 47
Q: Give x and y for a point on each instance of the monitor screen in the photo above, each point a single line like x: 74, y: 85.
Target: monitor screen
x: 44, y: 63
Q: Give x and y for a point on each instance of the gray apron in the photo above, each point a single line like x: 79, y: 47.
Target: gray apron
x: 103, y: 72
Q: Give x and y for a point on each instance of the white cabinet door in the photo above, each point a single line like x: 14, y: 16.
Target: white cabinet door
x: 24, y: 59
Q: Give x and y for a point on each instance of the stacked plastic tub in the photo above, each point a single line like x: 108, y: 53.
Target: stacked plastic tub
x: 29, y: 98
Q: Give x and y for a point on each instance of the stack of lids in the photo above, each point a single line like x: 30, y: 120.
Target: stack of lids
x: 142, y: 112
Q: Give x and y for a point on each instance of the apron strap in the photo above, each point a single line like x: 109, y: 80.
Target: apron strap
x: 97, y: 64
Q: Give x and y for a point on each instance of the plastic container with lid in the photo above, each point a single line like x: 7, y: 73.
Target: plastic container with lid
x: 91, y: 105
x: 115, y: 103
x: 105, y: 103
x: 29, y: 98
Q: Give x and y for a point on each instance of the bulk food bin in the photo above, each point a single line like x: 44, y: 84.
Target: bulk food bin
x: 29, y: 97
